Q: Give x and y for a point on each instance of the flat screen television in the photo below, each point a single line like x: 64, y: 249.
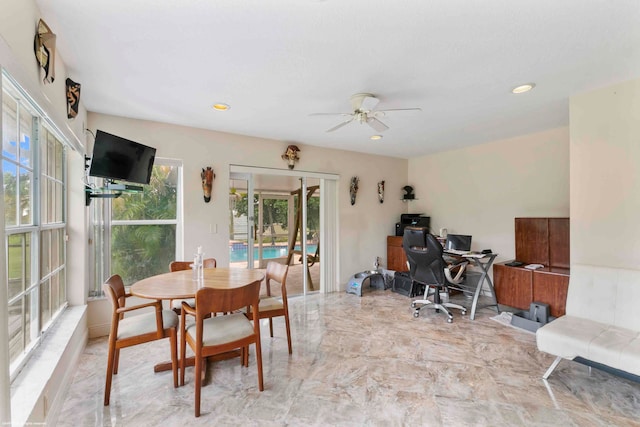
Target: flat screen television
x: 117, y: 158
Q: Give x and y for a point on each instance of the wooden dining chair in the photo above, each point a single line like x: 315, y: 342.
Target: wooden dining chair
x: 133, y: 330
x: 176, y: 304
x: 270, y: 306
x: 209, y: 336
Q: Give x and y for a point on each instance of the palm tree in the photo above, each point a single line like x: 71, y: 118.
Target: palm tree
x: 139, y: 251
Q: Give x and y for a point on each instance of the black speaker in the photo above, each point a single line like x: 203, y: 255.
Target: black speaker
x: 403, y: 285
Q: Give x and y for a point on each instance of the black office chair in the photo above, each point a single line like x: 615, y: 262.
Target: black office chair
x: 427, y: 267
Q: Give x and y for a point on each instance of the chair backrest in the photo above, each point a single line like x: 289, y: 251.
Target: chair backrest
x: 424, y: 254
x: 227, y: 300
x: 113, y: 288
x: 186, y: 265
x: 277, y: 272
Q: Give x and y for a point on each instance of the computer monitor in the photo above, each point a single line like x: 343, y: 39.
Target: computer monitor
x: 459, y: 242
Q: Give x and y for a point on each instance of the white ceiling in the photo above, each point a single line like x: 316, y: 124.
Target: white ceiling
x: 275, y: 62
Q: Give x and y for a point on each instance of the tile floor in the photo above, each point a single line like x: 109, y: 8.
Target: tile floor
x: 361, y: 362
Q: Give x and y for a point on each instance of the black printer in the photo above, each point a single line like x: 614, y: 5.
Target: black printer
x: 414, y: 220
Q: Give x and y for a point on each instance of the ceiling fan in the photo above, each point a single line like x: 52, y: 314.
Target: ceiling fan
x: 363, y: 105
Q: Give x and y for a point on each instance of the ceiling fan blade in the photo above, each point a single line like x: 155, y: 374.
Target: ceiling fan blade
x: 330, y: 114
x: 346, y: 122
x: 377, y: 124
x: 399, y: 109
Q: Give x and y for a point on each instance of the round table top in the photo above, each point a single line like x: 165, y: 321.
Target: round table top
x: 180, y: 284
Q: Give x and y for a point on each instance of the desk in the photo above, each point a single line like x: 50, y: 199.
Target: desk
x: 180, y: 285
x: 483, y: 261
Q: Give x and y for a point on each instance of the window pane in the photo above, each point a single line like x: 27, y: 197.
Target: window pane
x: 55, y: 260
x: 139, y: 251
x: 44, y: 201
x: 61, y: 246
x: 45, y: 304
x: 51, y: 156
x: 63, y: 287
x: 9, y: 127
x: 44, y: 158
x: 10, y: 182
x: 59, y: 159
x: 19, y: 263
x: 29, y: 299
x: 59, y: 189
x: 16, y: 329
x: 55, y: 303
x: 25, y: 197
x: 45, y: 265
x: 157, y: 201
x: 26, y: 142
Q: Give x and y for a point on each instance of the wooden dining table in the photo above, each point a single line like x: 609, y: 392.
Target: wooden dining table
x: 182, y: 285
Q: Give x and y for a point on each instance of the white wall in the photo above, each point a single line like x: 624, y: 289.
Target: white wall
x: 605, y: 171
x: 480, y: 190
x: 363, y: 227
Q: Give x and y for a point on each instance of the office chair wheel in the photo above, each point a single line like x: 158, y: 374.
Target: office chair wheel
x: 449, y: 320
x: 413, y: 305
x: 464, y: 312
x: 416, y: 314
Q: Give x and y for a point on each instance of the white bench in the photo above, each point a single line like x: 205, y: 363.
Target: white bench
x: 601, y: 327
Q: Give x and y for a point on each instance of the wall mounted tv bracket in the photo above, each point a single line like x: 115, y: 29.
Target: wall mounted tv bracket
x: 112, y: 190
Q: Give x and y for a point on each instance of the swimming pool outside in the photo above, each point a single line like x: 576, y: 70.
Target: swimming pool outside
x: 239, y: 254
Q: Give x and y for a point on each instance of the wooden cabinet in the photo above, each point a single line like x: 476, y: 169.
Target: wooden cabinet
x: 518, y: 287
x: 550, y: 285
x: 396, y: 258
x: 513, y: 286
x: 538, y: 241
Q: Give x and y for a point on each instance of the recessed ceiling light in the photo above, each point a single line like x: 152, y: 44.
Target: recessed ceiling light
x: 221, y: 107
x: 376, y: 137
x: 523, y: 88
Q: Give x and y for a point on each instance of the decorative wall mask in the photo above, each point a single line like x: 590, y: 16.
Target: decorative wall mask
x: 44, y: 46
x: 291, y: 155
x: 73, y: 98
x: 207, y: 182
x: 408, y: 193
x: 353, y: 189
x: 381, y: 191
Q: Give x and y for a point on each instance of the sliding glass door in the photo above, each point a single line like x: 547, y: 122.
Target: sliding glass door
x: 281, y: 224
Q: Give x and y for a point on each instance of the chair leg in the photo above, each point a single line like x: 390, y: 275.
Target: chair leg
x: 173, y: 338
x: 245, y: 356
x: 456, y: 306
x: 183, y: 354
x: 288, y: 327
x: 198, y: 382
x: 116, y: 361
x: 110, y: 359
x: 259, y: 363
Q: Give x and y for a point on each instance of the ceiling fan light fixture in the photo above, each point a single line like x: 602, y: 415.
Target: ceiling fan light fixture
x: 523, y: 88
x: 220, y: 106
x: 376, y: 137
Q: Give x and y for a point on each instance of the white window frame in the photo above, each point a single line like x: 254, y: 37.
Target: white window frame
x: 38, y: 328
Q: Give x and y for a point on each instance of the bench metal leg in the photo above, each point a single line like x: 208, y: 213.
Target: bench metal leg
x: 551, y: 368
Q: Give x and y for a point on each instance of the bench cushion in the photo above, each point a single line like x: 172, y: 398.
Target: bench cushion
x: 570, y: 337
